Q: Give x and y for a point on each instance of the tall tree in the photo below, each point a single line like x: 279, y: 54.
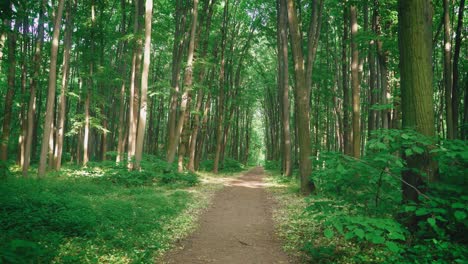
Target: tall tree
x: 219, y: 128
x: 302, y: 96
x: 186, y: 96
x: 283, y: 84
x: 33, y: 90
x: 63, y: 93
x: 347, y: 141
x: 134, y: 86
x: 456, y: 58
x: 355, y: 83
x: 10, y: 92
x: 415, y: 45
x: 448, y: 75
x: 144, y: 83
x: 51, y: 92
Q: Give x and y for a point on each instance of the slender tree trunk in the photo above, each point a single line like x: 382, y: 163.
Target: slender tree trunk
x: 24, y: 76
x: 32, y: 91
x: 63, y: 92
x: 177, y: 54
x: 51, y: 93
x: 372, y: 115
x: 347, y: 141
x: 284, y: 85
x: 415, y: 30
x: 186, y: 97
x: 448, y: 75
x: 208, y: 9
x: 219, y: 129
x: 355, y: 84
x: 144, y: 84
x: 134, y: 88
x: 456, y: 57
x: 302, y: 96
x: 455, y: 85
x: 10, y: 93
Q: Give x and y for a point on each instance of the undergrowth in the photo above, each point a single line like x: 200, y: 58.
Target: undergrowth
x: 228, y: 166
x: 98, y: 214
x: 357, y: 216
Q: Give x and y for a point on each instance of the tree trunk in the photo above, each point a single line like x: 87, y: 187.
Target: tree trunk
x: 177, y: 54
x: 302, y: 95
x: 455, y: 80
x: 415, y: 30
x: 448, y: 75
x: 186, y: 97
x: 24, y: 73
x: 219, y: 129
x: 355, y: 84
x: 284, y: 85
x: 347, y: 141
x: 51, y: 92
x: 63, y: 92
x: 144, y: 84
x: 10, y: 93
x: 32, y: 91
x: 134, y: 88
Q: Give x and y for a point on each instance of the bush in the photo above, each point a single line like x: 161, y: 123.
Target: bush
x: 360, y: 204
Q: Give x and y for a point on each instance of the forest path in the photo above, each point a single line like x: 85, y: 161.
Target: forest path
x: 237, y: 228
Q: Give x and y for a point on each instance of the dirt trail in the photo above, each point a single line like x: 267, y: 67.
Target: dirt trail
x: 237, y: 228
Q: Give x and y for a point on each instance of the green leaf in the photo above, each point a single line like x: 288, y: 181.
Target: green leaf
x: 396, y: 236
x: 329, y: 233
x: 376, y: 239
x: 432, y: 222
x: 408, y: 152
x: 458, y: 206
x: 392, y: 246
x: 422, y: 211
x: 359, y: 233
x: 418, y: 150
x: 349, y: 235
x: 460, y: 215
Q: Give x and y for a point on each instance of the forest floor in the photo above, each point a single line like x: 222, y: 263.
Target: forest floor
x: 237, y: 228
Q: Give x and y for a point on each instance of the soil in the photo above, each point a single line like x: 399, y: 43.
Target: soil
x: 237, y: 228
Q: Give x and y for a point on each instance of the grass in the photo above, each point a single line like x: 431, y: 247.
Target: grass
x: 99, y: 215
x: 302, y: 232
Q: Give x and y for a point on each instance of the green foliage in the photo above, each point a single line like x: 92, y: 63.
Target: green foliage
x: 153, y: 173
x: 358, y: 217
x: 74, y: 220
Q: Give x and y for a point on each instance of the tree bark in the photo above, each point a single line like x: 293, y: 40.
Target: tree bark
x: 177, y: 54
x: 455, y: 80
x: 33, y: 90
x: 415, y: 30
x: 10, y: 93
x: 283, y: 62
x: 144, y: 84
x: 63, y: 92
x: 51, y: 92
x: 186, y: 97
x: 448, y: 75
x: 219, y: 129
x: 347, y: 141
x: 355, y: 84
x: 302, y: 96
x: 134, y: 88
